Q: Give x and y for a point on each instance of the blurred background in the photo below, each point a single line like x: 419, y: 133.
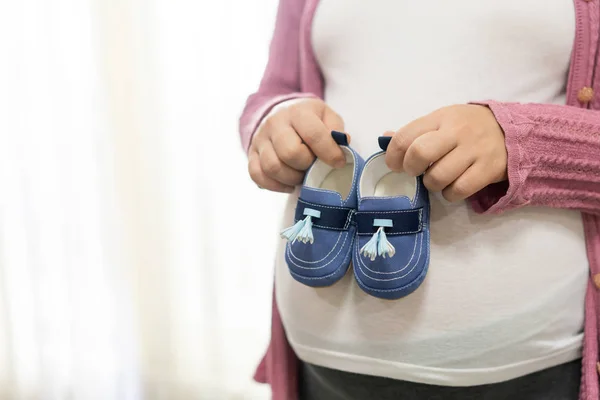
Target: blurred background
x: 126, y: 269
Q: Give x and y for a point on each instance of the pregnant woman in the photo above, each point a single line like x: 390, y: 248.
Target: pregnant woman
x: 494, y: 104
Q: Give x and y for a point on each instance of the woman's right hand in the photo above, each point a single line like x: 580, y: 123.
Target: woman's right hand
x: 287, y: 141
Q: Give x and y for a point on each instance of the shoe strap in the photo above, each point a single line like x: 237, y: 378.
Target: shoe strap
x: 340, y: 138
x: 330, y: 217
x: 403, y: 222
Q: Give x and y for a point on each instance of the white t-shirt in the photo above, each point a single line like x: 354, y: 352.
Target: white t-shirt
x: 504, y: 295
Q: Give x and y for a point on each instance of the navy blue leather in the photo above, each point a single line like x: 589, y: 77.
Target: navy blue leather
x: 397, y: 276
x: 334, y: 218
x: 340, y: 138
x: 346, y: 225
x: 406, y: 222
x: 327, y: 259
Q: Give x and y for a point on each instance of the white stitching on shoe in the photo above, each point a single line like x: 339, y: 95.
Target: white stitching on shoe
x: 348, y: 218
x: 396, y: 212
x: 322, y: 266
x: 400, y: 270
x: 327, y: 191
x: 318, y: 261
x: 354, y: 176
x: 412, y: 283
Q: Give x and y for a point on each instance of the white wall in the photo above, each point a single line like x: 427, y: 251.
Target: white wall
x: 125, y: 268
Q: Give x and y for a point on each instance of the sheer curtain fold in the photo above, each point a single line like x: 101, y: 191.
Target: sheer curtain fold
x: 126, y: 271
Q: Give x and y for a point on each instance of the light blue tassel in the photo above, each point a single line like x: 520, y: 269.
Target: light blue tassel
x: 302, y: 230
x: 292, y: 232
x: 305, y: 235
x: 378, y: 245
x: 370, y: 248
x: 384, y: 247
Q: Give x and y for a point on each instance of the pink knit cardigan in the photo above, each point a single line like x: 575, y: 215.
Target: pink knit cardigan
x: 553, y: 160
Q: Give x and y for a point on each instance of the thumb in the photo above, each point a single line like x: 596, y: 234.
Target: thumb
x: 333, y: 121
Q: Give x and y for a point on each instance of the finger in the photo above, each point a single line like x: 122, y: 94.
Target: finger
x: 261, y: 179
x: 256, y: 141
x: 318, y: 138
x: 447, y: 170
x: 274, y: 168
x: 404, y: 137
x: 332, y: 120
x: 427, y: 149
x: 291, y: 150
x: 472, y: 181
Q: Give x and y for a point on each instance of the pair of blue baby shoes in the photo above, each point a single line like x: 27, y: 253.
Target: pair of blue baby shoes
x: 364, y: 213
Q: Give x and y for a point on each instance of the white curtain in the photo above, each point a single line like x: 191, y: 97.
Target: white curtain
x: 125, y: 271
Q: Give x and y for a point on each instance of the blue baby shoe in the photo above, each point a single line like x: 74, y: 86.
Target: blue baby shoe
x: 391, y: 253
x: 319, y: 245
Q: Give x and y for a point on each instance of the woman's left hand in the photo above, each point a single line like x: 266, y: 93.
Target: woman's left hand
x: 460, y: 149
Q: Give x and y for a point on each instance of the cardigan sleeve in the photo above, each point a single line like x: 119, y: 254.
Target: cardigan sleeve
x: 553, y: 158
x: 281, y: 79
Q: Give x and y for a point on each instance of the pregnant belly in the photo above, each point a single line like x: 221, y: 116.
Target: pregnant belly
x: 495, y: 282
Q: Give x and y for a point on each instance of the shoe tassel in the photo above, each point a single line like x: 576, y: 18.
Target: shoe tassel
x: 302, y: 230
x: 378, y: 245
